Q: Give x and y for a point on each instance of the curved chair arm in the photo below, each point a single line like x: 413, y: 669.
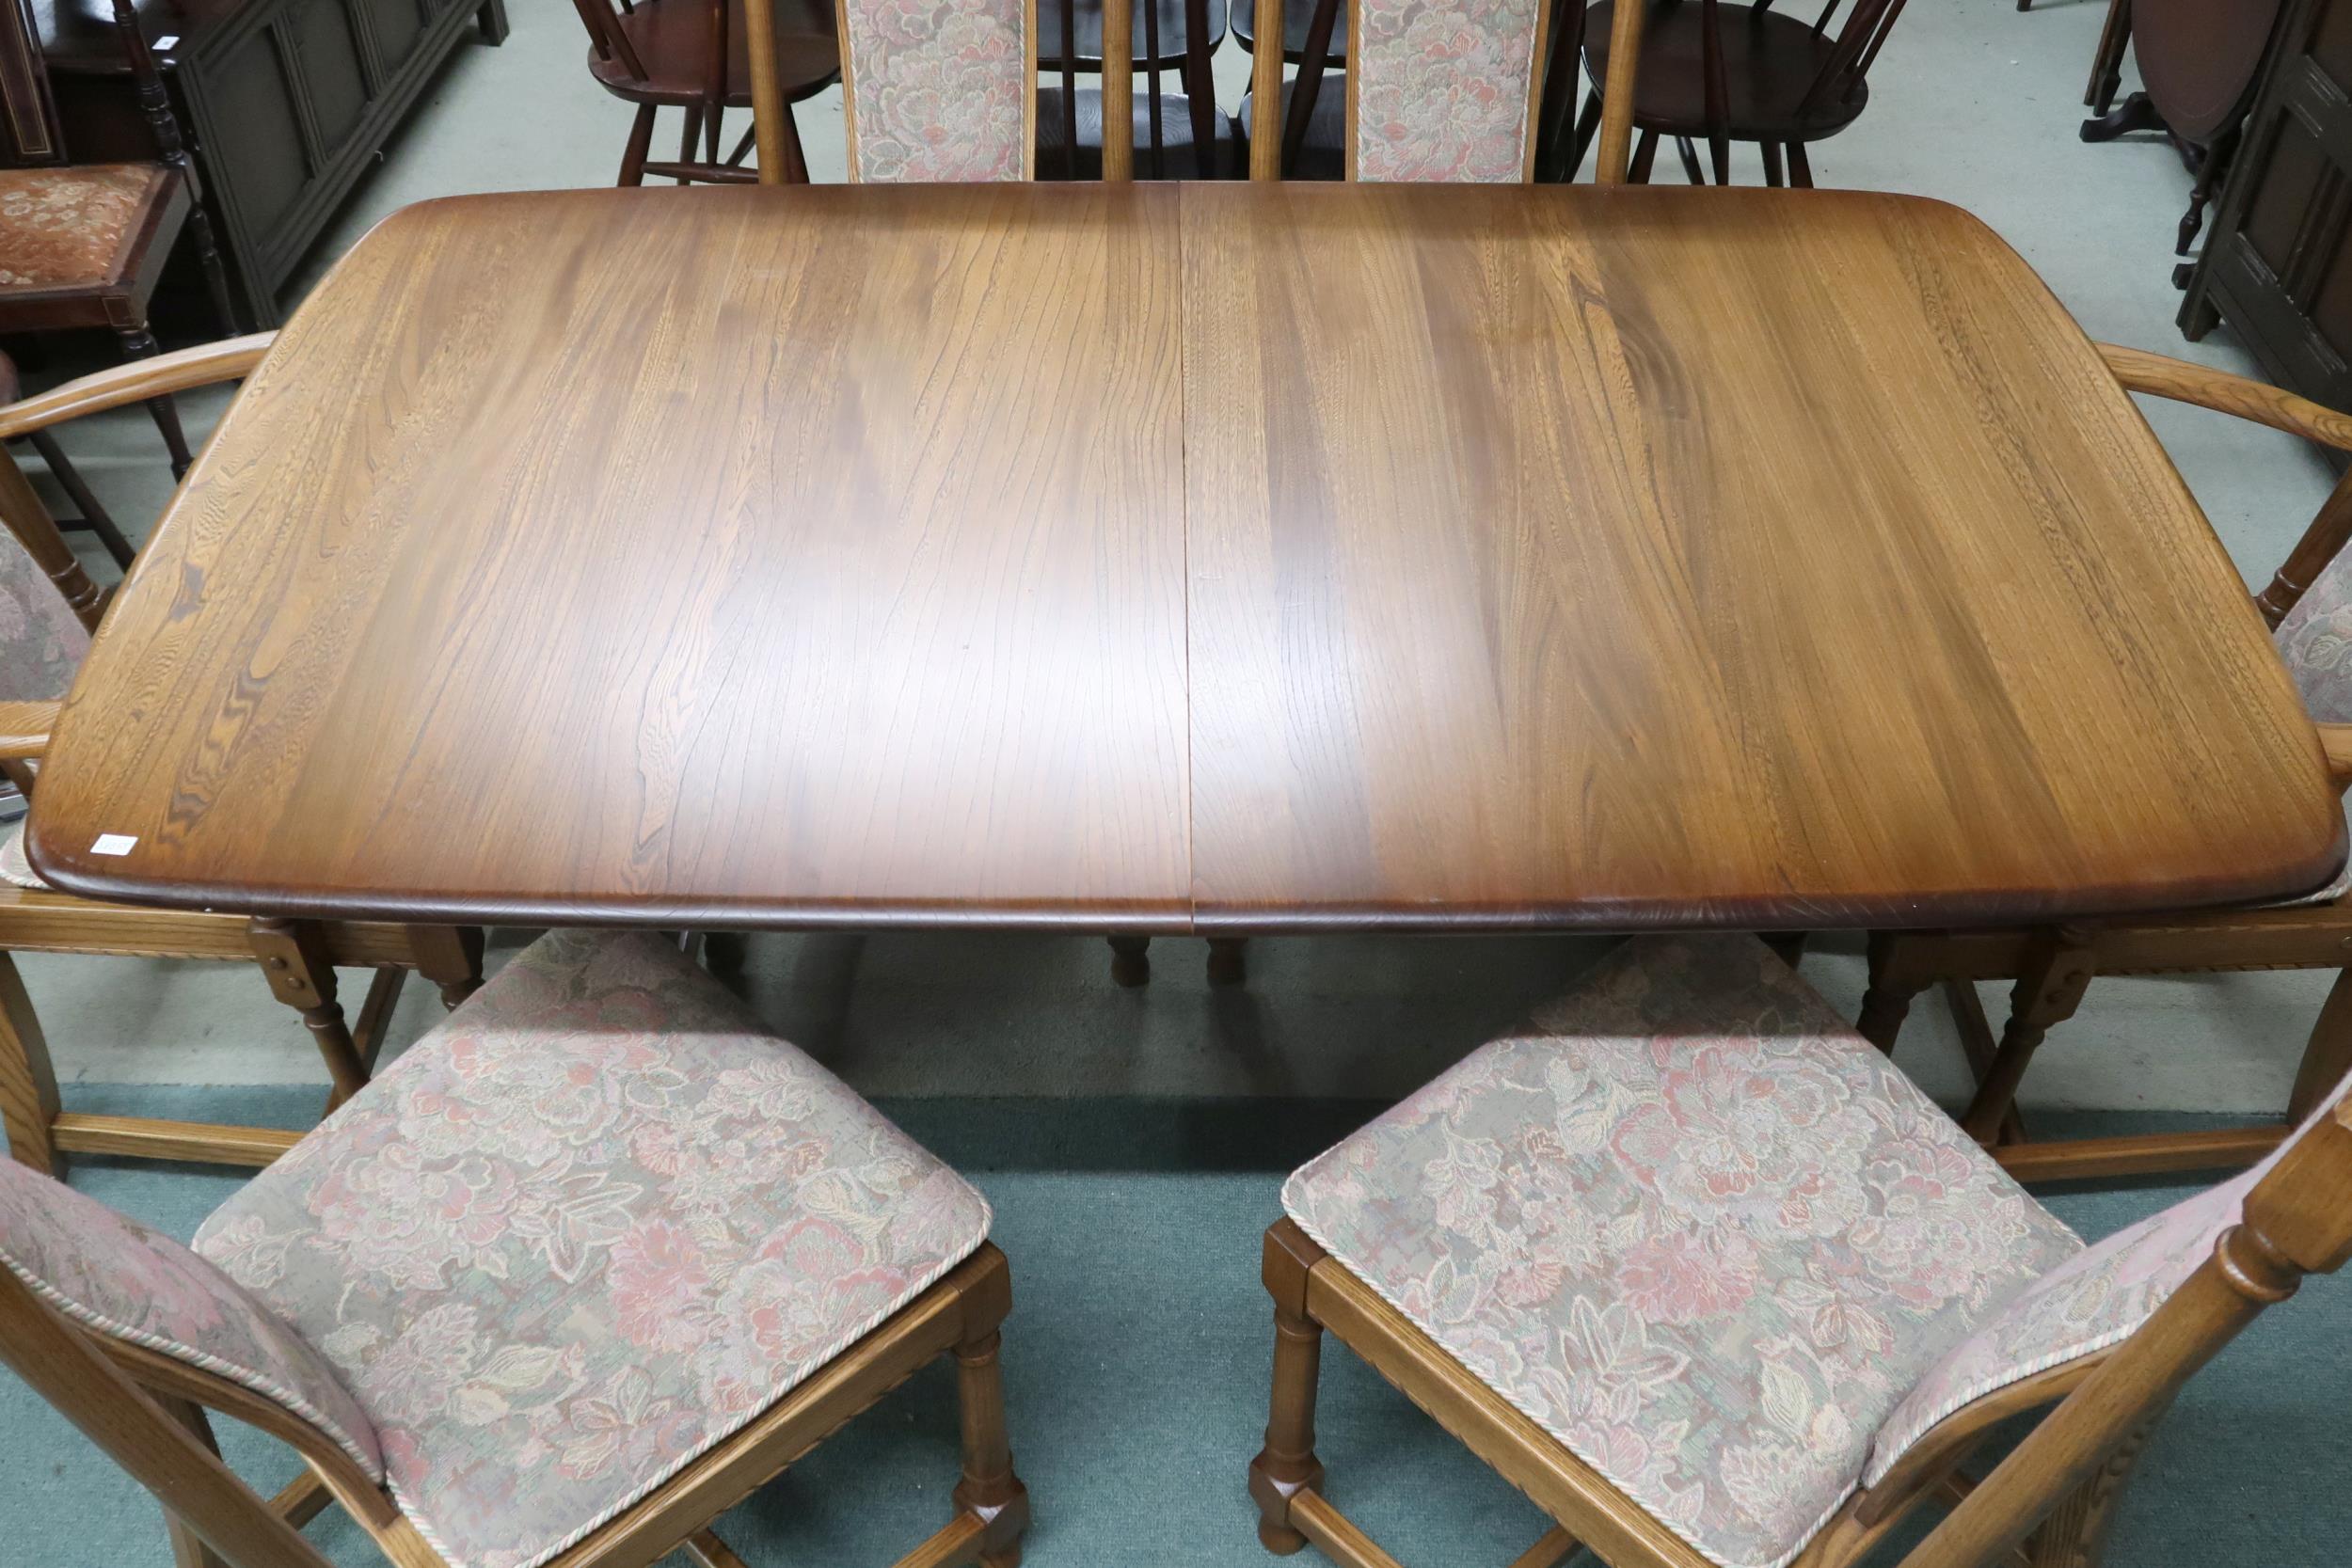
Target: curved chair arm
x: 2160, y: 375
x: 2335, y: 743
x: 135, y: 382
x: 24, y: 729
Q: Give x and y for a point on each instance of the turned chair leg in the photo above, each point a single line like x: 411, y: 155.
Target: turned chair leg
x: 1131, y: 960
x: 139, y: 344
x: 1887, y: 1000
x: 1287, y: 1464
x: 28, y: 1085
x: 989, y: 1492
x: 2057, y: 973
x: 294, y: 958
x: 2075, y: 1534
x: 450, y: 958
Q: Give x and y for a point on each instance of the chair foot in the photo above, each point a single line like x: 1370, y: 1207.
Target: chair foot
x: 1131, y: 960
x: 1280, y: 1540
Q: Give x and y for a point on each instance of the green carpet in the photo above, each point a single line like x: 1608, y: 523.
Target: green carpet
x: 1135, y: 1368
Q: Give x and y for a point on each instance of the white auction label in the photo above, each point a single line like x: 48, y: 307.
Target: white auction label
x: 115, y: 844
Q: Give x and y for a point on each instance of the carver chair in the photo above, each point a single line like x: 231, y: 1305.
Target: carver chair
x: 2309, y: 603
x: 1711, y: 1283
x: 48, y: 608
x: 692, y: 56
x: 84, y: 245
x: 582, y: 1270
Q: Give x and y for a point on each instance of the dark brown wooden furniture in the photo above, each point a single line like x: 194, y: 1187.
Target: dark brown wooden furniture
x: 286, y: 104
x: 93, y: 515
x: 2053, y: 967
x: 1717, y: 73
x: 297, y: 958
x: 1136, y: 645
x: 2107, y: 62
x: 2278, y: 260
x: 1178, y: 134
x: 83, y: 244
x: 690, y: 55
x: 2199, y: 64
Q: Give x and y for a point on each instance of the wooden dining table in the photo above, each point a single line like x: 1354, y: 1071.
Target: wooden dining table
x: 1210, y: 557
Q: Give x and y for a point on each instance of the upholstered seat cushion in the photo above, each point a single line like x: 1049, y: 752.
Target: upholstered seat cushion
x: 63, y: 227
x: 14, y: 867
x: 587, y: 1228
x: 1695, y: 1229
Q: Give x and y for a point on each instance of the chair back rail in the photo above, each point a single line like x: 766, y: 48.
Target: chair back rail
x: 61, y: 1365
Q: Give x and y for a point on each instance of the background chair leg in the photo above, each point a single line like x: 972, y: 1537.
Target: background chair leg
x: 2056, y: 975
x: 1886, y: 1002
x: 1131, y: 960
x: 990, y: 1491
x: 640, y: 146
x: 28, y: 1086
x: 2327, y: 1055
x: 1228, y: 960
x: 95, y: 516
x: 139, y: 344
x: 188, y: 1549
x: 294, y: 960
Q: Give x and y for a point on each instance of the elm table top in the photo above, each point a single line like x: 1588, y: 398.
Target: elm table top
x: 1156, y: 557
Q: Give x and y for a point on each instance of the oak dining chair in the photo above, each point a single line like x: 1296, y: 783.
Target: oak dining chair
x: 49, y: 606
x: 2309, y: 603
x: 585, y: 1268
x: 1424, y: 99
x: 1717, y: 73
x: 84, y: 245
x: 1700, y: 1273
x: 692, y: 56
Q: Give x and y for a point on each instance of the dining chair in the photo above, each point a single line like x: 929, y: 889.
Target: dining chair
x: 1701, y: 1274
x: 1178, y: 134
x: 94, y: 517
x: 1428, y: 95
x: 1721, y: 73
x: 584, y: 1269
x: 85, y: 245
x: 49, y: 606
x: 2309, y: 603
x: 691, y: 56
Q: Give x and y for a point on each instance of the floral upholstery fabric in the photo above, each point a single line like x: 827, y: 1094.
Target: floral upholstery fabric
x: 2315, y: 639
x: 588, y: 1227
x: 63, y: 227
x: 113, y: 1275
x: 1445, y: 89
x: 14, y: 867
x: 41, y: 642
x: 2093, y: 1301
x: 937, y: 88
x: 1696, y: 1229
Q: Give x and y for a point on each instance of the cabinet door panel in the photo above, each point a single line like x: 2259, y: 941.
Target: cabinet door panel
x: 256, y: 131
x: 330, y: 69
x: 395, y: 26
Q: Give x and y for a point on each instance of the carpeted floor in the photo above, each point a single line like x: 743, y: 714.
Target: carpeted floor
x: 1137, y: 1364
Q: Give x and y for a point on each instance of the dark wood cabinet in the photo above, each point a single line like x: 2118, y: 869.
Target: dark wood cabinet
x: 285, y: 103
x: 2279, y: 265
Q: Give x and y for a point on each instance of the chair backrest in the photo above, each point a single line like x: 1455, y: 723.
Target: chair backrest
x: 2167, y: 1294
x: 29, y: 132
x: 117, y: 1279
x: 945, y: 89
x: 1441, y: 92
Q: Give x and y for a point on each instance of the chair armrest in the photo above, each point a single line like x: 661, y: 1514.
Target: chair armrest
x: 24, y: 729
x: 135, y: 382
x: 2160, y: 375
x: 2335, y: 742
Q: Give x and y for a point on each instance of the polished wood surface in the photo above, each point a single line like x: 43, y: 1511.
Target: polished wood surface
x: 1406, y: 556
x: 1625, y: 558
x: 887, y: 626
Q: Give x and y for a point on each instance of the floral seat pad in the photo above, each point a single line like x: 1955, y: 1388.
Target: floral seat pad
x: 68, y: 228
x: 587, y: 1228
x: 1695, y: 1227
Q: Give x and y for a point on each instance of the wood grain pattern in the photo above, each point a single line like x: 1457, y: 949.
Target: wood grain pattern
x: 1628, y: 557
x: 1410, y: 556
x: 180, y: 371
x: 611, y: 605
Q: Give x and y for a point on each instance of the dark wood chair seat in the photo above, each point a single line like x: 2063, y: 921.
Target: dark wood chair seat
x: 1087, y: 34
x: 671, y: 40
x: 1771, y: 62
x: 1298, y: 16
x: 1323, y: 155
x: 1178, y: 158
